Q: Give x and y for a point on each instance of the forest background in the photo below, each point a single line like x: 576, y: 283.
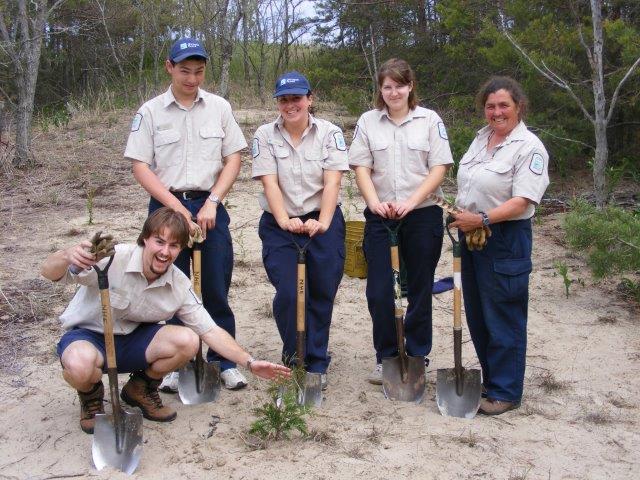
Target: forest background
x: 61, y: 56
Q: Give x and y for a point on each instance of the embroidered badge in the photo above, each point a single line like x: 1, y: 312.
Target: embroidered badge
x: 537, y: 164
x: 339, y: 139
x: 442, y: 131
x: 135, y: 124
x: 255, y: 148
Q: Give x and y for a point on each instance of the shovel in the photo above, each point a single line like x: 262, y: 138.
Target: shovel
x: 117, y: 438
x: 310, y: 392
x: 458, y: 390
x: 403, y: 376
x: 198, y: 381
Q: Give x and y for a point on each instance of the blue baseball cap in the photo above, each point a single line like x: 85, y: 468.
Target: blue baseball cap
x: 292, y: 83
x: 185, y: 48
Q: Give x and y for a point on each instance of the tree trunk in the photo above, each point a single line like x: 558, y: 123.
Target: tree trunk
x: 600, y: 106
x: 228, y: 32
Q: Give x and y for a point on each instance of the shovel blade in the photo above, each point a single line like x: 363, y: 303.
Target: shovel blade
x: 449, y: 402
x: 310, y: 394
x: 196, y: 387
x: 116, y: 446
x: 412, y: 390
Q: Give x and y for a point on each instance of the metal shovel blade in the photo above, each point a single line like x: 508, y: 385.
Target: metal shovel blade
x: 412, y: 390
x: 310, y: 394
x: 116, y: 446
x: 460, y: 402
x: 199, y: 385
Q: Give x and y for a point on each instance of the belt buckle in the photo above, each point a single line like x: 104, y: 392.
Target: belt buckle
x: 185, y: 195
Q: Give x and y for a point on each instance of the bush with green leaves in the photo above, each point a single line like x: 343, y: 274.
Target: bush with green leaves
x: 610, y: 238
x: 282, y: 415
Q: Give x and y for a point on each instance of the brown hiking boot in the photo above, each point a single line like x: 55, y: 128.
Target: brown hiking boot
x: 142, y: 391
x: 91, y: 403
x: 490, y: 406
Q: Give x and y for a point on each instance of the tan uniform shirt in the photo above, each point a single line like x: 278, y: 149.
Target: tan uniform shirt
x: 133, y: 299
x: 518, y: 167
x: 400, y: 156
x: 184, y: 147
x: 300, y: 169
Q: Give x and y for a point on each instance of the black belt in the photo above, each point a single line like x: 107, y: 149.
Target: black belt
x: 191, y: 194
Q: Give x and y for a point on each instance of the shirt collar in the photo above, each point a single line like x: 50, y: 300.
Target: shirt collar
x: 169, y: 98
x: 516, y: 135
x: 413, y: 113
x: 135, y: 266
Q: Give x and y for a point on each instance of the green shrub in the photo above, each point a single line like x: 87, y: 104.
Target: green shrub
x: 609, y: 237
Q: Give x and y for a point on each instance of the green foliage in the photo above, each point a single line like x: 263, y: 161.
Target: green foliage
x: 563, y: 270
x: 609, y: 237
x: 282, y: 414
x: 630, y: 289
x: 91, y: 192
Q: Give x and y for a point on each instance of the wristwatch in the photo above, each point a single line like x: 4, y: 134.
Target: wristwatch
x: 249, y: 362
x: 213, y: 198
x: 485, y: 219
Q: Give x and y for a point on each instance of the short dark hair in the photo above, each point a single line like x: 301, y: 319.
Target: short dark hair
x: 162, y: 218
x: 504, y: 83
x: 192, y: 57
x: 399, y: 71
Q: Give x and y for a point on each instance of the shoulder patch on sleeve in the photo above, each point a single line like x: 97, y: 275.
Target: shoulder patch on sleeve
x: 255, y: 148
x: 135, y: 124
x: 339, y: 139
x: 537, y: 164
x: 442, y: 131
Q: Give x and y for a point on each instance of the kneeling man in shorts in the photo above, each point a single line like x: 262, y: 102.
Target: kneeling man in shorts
x: 145, y: 289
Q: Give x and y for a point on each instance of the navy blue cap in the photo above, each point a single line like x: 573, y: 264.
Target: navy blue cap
x: 185, y: 48
x: 292, y: 83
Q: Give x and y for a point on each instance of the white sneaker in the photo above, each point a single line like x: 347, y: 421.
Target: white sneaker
x: 376, y: 376
x: 233, y: 379
x: 170, y: 383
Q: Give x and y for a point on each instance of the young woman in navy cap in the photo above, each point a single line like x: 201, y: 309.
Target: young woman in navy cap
x: 300, y: 159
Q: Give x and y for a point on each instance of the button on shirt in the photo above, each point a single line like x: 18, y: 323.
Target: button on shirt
x: 400, y: 156
x: 518, y: 167
x: 184, y: 146
x: 133, y: 299
x: 300, y: 169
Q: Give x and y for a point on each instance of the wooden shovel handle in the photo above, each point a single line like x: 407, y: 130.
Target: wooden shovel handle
x: 109, y: 341
x: 457, y: 294
x: 300, y: 313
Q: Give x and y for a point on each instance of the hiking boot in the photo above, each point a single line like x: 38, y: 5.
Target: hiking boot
x: 233, y: 379
x: 142, y: 391
x: 376, y: 376
x: 170, y: 383
x: 490, y: 406
x: 91, y: 403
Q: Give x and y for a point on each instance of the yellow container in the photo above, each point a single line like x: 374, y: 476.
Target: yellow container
x: 355, y: 264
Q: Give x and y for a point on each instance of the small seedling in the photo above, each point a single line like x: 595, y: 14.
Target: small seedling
x: 563, y: 270
x: 282, y: 415
x: 90, y: 195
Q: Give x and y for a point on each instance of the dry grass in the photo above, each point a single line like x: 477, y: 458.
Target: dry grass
x: 598, y: 418
x: 548, y: 382
x: 470, y: 439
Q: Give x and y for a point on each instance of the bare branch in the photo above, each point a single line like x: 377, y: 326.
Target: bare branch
x: 572, y: 140
x: 616, y: 93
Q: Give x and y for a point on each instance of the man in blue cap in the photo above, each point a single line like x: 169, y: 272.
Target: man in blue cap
x: 184, y: 147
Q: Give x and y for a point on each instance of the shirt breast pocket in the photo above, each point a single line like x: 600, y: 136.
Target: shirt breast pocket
x: 211, y: 143
x: 380, y: 152
x: 166, y: 148
x: 418, y: 155
x: 498, y: 179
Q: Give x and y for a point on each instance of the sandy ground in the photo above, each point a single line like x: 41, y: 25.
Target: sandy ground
x: 579, y: 418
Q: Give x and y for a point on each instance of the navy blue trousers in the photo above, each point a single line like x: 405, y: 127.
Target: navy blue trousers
x: 217, y: 266
x: 420, y: 240
x: 325, y: 266
x: 495, y: 286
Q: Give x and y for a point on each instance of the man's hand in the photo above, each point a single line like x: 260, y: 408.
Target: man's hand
x: 314, y: 227
x: 80, y: 255
x: 206, y: 217
x: 268, y: 370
